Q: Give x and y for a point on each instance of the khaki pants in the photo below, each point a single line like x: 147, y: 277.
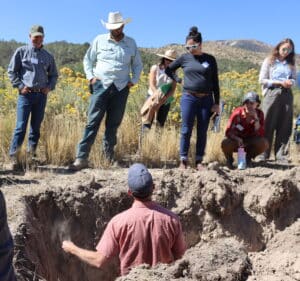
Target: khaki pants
x: 253, y: 146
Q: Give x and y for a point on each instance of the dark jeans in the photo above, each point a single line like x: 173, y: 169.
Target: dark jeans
x: 113, y: 103
x: 28, y: 104
x: 278, y: 110
x: 193, y: 107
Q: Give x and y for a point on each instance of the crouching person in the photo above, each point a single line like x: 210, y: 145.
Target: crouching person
x: 245, y: 128
x: 146, y: 223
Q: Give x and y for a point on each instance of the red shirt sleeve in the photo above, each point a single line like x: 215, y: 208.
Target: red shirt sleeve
x: 179, y: 245
x: 232, y: 122
x: 108, y: 244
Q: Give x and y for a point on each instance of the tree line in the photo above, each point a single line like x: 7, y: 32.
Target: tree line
x: 71, y: 55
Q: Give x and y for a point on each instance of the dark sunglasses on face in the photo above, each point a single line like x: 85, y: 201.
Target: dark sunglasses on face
x: 191, y: 47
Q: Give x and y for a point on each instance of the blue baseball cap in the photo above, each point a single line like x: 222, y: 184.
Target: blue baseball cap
x: 140, y: 180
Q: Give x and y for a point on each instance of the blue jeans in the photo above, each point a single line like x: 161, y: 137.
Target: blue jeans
x: 193, y: 107
x: 113, y: 103
x: 28, y: 104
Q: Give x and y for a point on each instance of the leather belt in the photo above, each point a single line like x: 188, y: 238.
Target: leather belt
x: 35, y: 90
x: 275, y: 87
x: 198, y: 95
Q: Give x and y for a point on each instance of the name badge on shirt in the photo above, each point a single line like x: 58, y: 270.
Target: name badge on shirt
x: 205, y: 64
x: 34, y: 60
x: 239, y: 127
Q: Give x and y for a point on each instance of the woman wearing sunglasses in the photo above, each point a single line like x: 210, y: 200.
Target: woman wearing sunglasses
x: 277, y: 76
x: 200, y: 97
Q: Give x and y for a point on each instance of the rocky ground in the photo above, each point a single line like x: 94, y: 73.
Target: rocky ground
x: 239, y: 225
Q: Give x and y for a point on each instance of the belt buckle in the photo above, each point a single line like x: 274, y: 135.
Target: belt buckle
x: 200, y: 95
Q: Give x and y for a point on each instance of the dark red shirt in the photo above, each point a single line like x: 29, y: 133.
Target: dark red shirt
x: 240, y: 127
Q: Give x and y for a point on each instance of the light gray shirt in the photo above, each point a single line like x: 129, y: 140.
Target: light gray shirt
x: 113, y: 62
x: 32, y: 67
x: 277, y: 71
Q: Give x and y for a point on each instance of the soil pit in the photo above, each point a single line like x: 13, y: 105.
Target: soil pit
x: 232, y: 221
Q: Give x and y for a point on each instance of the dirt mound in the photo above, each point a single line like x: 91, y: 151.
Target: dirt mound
x: 235, y: 222
x: 221, y: 259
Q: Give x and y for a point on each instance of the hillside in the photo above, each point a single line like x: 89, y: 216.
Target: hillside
x: 237, y: 55
x: 231, y: 55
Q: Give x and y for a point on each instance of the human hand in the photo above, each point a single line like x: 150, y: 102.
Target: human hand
x: 130, y: 84
x: 287, y: 83
x: 93, y: 80
x: 240, y: 141
x: 216, y: 108
x: 25, y: 90
x: 45, y: 91
x: 68, y: 246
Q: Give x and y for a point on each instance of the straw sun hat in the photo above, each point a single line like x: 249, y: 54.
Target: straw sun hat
x: 169, y: 54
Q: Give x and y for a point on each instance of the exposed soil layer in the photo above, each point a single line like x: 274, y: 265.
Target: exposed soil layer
x: 239, y: 225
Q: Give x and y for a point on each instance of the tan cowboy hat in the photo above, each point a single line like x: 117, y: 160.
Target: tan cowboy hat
x: 169, y: 54
x: 115, y: 21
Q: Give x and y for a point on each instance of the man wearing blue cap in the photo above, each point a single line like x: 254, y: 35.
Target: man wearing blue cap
x: 245, y: 128
x: 145, y: 233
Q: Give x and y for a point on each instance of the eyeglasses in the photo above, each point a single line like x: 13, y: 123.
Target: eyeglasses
x: 286, y: 50
x: 191, y: 47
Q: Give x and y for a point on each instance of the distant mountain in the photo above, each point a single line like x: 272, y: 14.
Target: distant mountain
x: 249, y: 45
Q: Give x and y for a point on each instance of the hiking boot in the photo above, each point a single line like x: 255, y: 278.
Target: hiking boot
x: 261, y: 158
x: 15, y: 165
x: 200, y: 166
x: 79, y: 164
x: 229, y: 162
x: 282, y: 160
x: 183, y: 164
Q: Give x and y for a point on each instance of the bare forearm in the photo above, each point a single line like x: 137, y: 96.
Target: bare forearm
x: 93, y: 258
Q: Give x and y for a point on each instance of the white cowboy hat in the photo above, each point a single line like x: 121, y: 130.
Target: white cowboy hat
x: 169, y: 54
x: 115, y: 21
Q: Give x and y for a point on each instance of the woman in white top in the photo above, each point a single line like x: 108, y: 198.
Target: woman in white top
x: 157, y: 78
x: 277, y: 76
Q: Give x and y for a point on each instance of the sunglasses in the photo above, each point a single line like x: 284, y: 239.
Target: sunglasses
x: 286, y: 50
x: 191, y: 47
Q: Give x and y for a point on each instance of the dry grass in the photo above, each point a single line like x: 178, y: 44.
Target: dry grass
x: 157, y: 148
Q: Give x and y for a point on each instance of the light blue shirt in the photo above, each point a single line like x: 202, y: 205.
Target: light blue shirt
x: 278, y: 71
x: 113, y: 62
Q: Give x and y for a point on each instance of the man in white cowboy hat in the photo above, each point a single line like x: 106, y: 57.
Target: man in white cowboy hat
x: 112, y: 65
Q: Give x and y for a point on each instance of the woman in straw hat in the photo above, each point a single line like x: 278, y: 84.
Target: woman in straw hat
x: 158, y: 80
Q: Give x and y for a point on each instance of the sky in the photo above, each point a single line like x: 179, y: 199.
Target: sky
x: 155, y: 23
